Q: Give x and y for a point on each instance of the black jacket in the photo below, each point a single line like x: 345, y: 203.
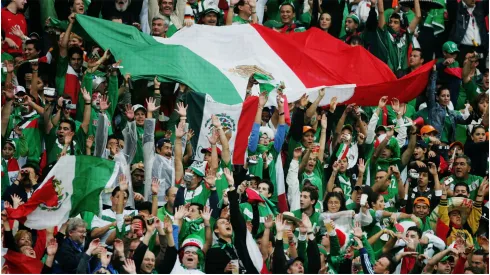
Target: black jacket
x: 459, y: 15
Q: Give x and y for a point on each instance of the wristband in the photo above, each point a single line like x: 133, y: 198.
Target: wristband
x: 88, y: 103
x: 302, y: 237
x: 311, y: 232
x: 183, y: 117
x: 34, y: 71
x: 281, y: 114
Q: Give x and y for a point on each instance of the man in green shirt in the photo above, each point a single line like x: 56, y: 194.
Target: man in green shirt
x: 393, y: 40
x: 461, y: 173
x: 288, y: 24
x: 244, y: 9
x: 307, y: 202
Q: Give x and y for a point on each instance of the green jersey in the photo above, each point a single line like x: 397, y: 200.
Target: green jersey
x: 472, y: 181
x: 54, y: 147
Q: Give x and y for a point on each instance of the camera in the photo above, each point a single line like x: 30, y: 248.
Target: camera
x: 19, y: 100
x: 479, y: 55
x: 413, y: 174
x: 68, y: 105
x: 151, y: 221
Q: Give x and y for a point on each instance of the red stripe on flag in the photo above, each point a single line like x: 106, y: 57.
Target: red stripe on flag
x: 282, y: 203
x: 45, y: 194
x: 316, y: 65
x: 72, y: 86
x: 245, y: 123
x: 33, y: 124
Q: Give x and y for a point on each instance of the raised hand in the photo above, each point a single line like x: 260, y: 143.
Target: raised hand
x: 336, y: 166
x: 69, y: 138
x: 213, y: 138
x: 395, y: 171
x: 361, y: 138
x: 216, y: 122
x: 181, y: 212
x: 305, y: 221
x: 303, y: 101
x: 129, y: 266
x: 357, y: 231
x: 15, y: 30
x: 361, y: 166
x: 52, y: 247
x: 382, y: 102
x: 34, y: 66
x: 167, y: 225
x: 94, y: 244
x: 86, y: 95
x: 333, y: 104
x: 262, y: 99
x: 395, y: 104
x: 280, y: 224
x: 206, y: 214
x: 129, y: 112
x: 210, y: 179
x: 105, y: 259
x: 104, y: 103
x: 349, y: 108
x: 155, y: 186
x: 123, y: 183
x: 156, y: 83
x: 17, y: 201
x: 179, y: 130
x: 90, y: 141
x: 280, y: 102
x: 138, y: 197
x: 324, y: 121
x: 18, y: 131
x: 71, y: 18
x: 432, y: 168
x: 269, y: 222
x: 190, y: 134
x: 150, y: 105
x: 229, y: 176
x: 483, y: 189
x: 252, y: 3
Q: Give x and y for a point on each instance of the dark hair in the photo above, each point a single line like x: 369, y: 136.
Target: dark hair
x: 373, y: 197
x: 115, y: 17
x: 269, y: 183
x: 168, y: 190
x: 215, y: 226
x: 73, y: 126
x: 199, y: 206
x: 464, y: 185
x: 476, y: 127
x: 476, y: 101
x: 475, y: 270
x: 271, y: 237
x: 418, y: 50
x: 45, y: 79
x: 74, y: 50
x: 356, y: 39
x: 480, y: 252
x: 339, y: 196
x: 32, y: 165
x: 392, y: 264
x: 116, y: 190
x: 35, y: 43
x: 112, y: 137
x: 313, y: 193
x: 416, y: 229
x: 142, y: 206
x: 240, y: 3
x: 442, y: 88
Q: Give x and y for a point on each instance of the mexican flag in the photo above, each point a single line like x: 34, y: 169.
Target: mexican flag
x: 219, y: 61
x: 73, y: 185
x: 237, y: 121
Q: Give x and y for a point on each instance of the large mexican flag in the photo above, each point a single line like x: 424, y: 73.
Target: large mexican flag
x: 219, y: 60
x: 73, y: 185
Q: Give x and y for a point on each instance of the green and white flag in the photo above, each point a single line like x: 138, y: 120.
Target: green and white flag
x: 73, y: 185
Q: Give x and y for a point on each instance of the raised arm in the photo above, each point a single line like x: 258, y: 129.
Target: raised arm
x: 66, y: 37
x: 231, y: 13
x: 179, y: 167
x: 225, y: 152
x: 312, y: 109
x: 381, y: 14
x: 323, y: 138
x: 87, y: 110
x: 405, y: 158
x: 416, y: 19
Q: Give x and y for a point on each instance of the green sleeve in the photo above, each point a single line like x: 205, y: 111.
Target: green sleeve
x: 61, y: 67
x: 22, y: 146
x: 334, y: 245
x: 81, y: 139
x: 302, y: 249
x: 113, y: 92
x: 471, y: 90
x: 62, y: 25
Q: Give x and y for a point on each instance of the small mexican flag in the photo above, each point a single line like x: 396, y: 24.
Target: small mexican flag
x: 72, y: 186
x: 237, y: 121
x: 342, y: 151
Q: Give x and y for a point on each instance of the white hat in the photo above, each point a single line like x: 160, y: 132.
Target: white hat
x: 137, y: 107
x: 19, y: 89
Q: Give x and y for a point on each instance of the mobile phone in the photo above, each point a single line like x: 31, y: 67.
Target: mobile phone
x: 448, y: 181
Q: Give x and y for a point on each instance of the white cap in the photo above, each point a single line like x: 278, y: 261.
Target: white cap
x: 138, y: 106
x: 19, y: 89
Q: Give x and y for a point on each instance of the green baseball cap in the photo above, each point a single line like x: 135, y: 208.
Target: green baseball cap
x: 354, y: 17
x: 450, y: 47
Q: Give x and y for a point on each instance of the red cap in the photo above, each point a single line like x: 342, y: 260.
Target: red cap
x: 209, y: 150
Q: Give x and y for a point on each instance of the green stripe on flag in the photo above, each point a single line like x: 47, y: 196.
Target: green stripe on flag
x: 92, y: 174
x: 144, y: 57
x: 195, y: 102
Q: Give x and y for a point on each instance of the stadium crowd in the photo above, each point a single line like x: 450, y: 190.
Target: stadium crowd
x: 398, y: 188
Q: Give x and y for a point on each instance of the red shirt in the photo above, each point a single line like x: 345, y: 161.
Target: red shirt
x: 9, y: 20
